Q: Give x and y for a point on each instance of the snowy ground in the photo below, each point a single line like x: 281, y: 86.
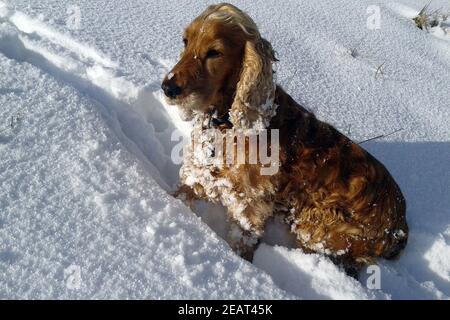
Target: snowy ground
x: 85, y: 146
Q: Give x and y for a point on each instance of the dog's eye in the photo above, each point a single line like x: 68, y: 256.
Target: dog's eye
x: 213, y: 53
x: 185, y: 42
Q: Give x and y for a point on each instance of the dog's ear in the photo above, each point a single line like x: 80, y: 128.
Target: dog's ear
x: 253, y: 105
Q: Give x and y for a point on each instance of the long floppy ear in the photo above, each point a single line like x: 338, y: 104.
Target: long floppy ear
x: 253, y: 105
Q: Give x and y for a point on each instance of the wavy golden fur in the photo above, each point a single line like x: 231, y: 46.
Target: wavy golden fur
x: 337, y: 198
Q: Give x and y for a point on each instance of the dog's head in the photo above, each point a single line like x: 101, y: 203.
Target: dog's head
x: 226, y: 66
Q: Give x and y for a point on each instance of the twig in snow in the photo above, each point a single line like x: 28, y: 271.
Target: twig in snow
x: 429, y: 19
x: 381, y: 136
x: 291, y: 78
x: 379, y: 70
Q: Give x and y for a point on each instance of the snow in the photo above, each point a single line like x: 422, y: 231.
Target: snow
x: 294, y: 271
x: 86, y: 142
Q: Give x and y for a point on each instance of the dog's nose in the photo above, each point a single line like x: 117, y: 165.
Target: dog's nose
x: 170, y: 88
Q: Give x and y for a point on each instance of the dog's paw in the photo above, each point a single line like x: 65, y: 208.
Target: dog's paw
x: 243, y: 242
x: 185, y: 194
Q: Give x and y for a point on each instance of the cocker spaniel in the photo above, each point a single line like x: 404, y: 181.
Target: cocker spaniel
x: 337, y: 198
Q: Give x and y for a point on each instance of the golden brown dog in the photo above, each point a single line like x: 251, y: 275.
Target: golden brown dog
x: 337, y: 198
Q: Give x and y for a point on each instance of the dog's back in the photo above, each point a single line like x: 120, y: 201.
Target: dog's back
x: 342, y: 201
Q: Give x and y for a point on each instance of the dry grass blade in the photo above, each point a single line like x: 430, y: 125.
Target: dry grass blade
x: 426, y: 19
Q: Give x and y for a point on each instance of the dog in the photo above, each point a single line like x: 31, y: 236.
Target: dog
x: 336, y: 198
